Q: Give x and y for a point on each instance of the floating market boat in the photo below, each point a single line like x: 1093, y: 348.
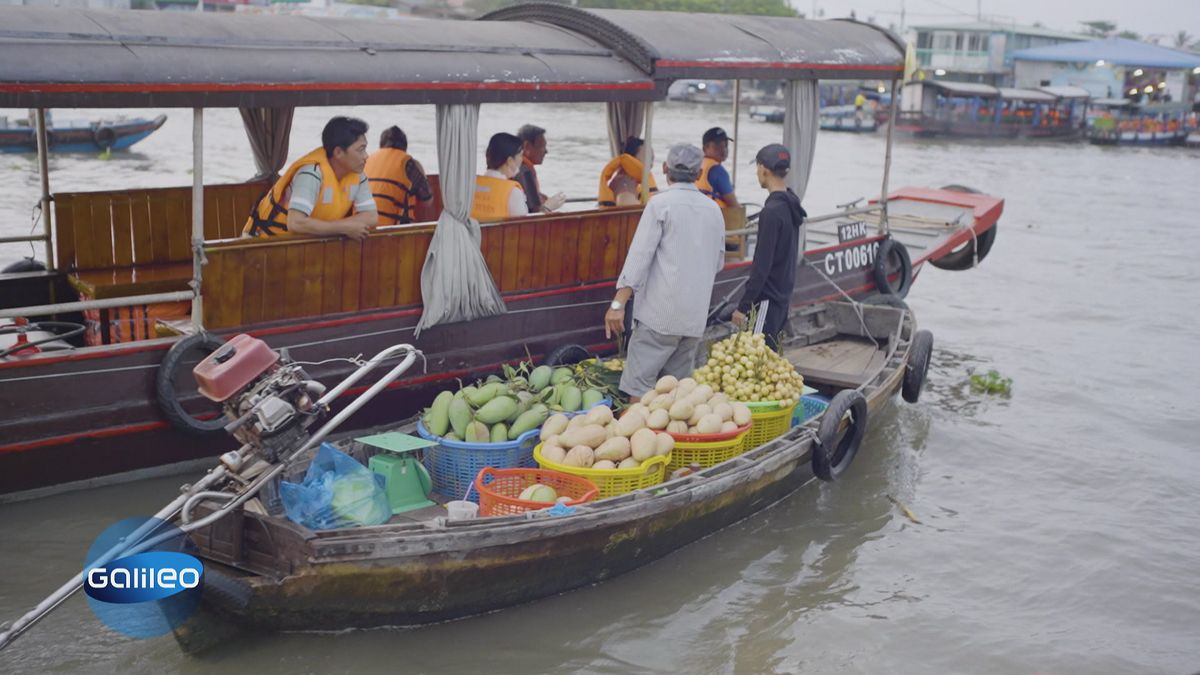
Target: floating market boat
x: 1121, y: 121
x: 68, y: 136
x: 833, y: 118
x: 936, y: 108
x: 265, y: 573
x: 156, y: 278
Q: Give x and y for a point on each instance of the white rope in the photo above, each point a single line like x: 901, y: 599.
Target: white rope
x: 853, y: 303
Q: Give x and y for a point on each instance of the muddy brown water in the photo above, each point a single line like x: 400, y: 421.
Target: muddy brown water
x: 1058, y: 531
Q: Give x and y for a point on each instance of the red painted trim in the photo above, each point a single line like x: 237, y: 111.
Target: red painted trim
x: 880, y: 67
x: 84, y: 356
x: 71, y: 438
x: 212, y: 87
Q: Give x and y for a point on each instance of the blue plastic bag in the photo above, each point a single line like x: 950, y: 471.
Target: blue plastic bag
x: 337, y: 492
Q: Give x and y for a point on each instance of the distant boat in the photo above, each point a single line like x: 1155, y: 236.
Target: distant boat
x: 932, y: 108
x: 1119, y: 121
x: 78, y: 135
x: 833, y: 118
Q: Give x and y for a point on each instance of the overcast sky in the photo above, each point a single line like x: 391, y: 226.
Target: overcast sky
x: 1146, y: 17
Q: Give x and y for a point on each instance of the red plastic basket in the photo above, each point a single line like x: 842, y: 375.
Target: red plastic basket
x: 499, y: 490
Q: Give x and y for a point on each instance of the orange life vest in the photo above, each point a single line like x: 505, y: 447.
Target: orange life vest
x: 387, y: 171
x: 269, y: 217
x: 491, y: 198
x: 630, y: 165
x: 703, y: 184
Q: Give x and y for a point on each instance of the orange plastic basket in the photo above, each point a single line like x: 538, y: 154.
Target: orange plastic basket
x: 499, y: 490
x: 707, y: 449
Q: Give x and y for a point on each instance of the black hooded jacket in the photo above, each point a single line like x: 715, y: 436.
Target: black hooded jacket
x: 773, y: 273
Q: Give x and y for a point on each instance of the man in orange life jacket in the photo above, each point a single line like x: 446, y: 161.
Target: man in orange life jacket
x: 323, y: 193
x: 397, y: 180
x: 714, y: 179
x: 533, y: 153
x: 497, y: 195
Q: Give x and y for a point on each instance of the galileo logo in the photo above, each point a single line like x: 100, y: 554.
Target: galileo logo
x: 148, y: 593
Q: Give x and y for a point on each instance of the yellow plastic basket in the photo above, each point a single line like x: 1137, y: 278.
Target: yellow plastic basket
x: 613, y: 482
x: 708, y: 453
x: 768, y: 423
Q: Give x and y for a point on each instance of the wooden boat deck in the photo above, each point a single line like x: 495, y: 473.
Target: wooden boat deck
x: 921, y: 226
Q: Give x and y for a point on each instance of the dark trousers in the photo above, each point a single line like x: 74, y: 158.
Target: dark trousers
x: 771, y: 319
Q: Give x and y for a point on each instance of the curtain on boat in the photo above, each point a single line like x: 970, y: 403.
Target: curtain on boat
x: 624, y: 120
x: 455, y: 282
x: 801, y: 121
x: 268, y: 130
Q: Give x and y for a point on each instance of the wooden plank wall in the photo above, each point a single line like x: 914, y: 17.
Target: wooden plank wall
x: 120, y: 228
x: 248, y: 282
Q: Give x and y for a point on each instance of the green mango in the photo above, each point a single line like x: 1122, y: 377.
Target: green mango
x: 539, y: 379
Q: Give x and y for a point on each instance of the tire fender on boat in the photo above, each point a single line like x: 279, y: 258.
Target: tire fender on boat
x: 965, y: 258
x: 832, y: 457
x: 887, y: 249
x: 104, y: 136
x: 919, y: 354
x: 567, y: 355
x: 164, y: 385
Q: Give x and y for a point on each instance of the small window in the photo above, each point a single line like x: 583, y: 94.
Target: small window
x: 958, y: 42
x: 924, y: 40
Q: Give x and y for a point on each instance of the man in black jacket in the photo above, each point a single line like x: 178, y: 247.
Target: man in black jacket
x: 773, y: 274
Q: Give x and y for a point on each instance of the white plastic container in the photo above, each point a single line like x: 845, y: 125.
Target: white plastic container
x: 462, y: 510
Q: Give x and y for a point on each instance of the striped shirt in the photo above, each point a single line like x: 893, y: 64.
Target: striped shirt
x: 306, y: 184
x: 675, y: 255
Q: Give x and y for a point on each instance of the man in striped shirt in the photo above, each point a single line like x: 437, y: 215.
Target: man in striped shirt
x: 672, y: 262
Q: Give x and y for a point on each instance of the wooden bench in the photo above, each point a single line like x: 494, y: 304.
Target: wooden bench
x: 254, y: 281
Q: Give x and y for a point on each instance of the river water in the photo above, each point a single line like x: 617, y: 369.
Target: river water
x: 1057, y: 527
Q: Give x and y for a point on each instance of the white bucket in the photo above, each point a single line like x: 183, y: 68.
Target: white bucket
x: 462, y: 510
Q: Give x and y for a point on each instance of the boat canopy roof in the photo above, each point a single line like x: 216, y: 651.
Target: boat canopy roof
x: 961, y: 88
x: 98, y: 58
x: 678, y: 45
x: 1034, y: 95
x: 1066, y: 91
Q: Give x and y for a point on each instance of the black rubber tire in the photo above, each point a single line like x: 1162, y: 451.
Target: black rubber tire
x: 887, y: 249
x: 567, y: 355
x: 827, y: 466
x: 24, y: 265
x: 964, y: 258
x: 920, y: 353
x: 164, y: 385
x: 104, y: 137
x: 885, y: 300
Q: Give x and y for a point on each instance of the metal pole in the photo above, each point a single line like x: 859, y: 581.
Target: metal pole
x: 63, y: 307
x: 737, y: 101
x: 198, y: 259
x: 649, y: 153
x: 887, y: 163
x: 43, y: 148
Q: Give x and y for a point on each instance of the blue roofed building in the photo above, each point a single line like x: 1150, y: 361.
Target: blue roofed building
x: 1112, y: 68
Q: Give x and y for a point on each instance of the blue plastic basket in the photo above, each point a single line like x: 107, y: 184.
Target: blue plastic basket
x: 810, y: 406
x: 453, y: 465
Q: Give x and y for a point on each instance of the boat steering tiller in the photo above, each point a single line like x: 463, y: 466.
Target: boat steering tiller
x: 271, y: 404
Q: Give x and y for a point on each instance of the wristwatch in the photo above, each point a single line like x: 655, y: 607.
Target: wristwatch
x: 616, y: 305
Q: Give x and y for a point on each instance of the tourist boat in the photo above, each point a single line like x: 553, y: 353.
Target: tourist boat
x: 833, y: 118
x: 1121, y: 121
x: 78, y: 136
x: 116, y: 400
x: 936, y: 108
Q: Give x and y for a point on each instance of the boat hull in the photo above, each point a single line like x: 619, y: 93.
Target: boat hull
x: 82, y: 139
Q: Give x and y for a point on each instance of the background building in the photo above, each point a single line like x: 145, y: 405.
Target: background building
x: 1112, y: 68
x: 979, y: 51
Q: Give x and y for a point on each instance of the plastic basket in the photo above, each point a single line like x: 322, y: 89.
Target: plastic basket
x: 500, y: 489
x: 613, y: 482
x: 707, y: 449
x: 453, y: 465
x: 768, y: 422
x: 810, y: 407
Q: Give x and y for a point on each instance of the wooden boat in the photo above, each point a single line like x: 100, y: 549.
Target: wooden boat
x: 94, y: 136
x: 1124, y: 122
x: 834, y: 118
x: 935, y: 108
x: 270, y: 574
x: 123, y: 264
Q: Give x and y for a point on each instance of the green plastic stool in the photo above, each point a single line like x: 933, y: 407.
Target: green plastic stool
x: 407, y: 482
